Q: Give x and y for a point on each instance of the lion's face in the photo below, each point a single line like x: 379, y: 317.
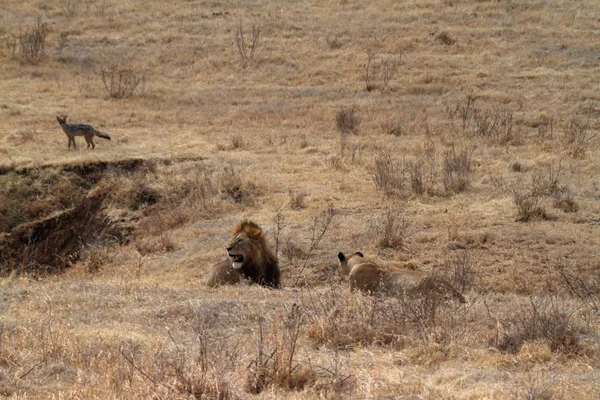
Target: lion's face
x: 241, y: 250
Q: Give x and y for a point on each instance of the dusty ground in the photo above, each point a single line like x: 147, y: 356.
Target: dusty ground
x: 482, y: 147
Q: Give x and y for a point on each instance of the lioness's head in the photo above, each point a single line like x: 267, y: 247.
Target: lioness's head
x: 346, y: 263
x: 245, y: 243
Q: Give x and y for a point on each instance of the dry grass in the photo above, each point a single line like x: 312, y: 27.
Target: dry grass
x: 481, y: 118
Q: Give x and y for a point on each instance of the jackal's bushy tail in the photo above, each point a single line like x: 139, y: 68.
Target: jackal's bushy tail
x: 103, y: 135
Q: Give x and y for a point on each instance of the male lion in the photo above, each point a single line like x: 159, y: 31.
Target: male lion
x: 368, y: 277
x: 250, y: 259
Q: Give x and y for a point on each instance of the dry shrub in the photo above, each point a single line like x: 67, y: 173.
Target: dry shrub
x: 543, y: 318
x: 579, y: 136
x: 496, y: 125
x: 200, y: 368
x: 276, y: 362
x: 493, y: 124
x: 344, y: 319
x: 459, y: 271
x: 95, y: 258
x: 456, y: 169
x: 334, y: 42
x: 535, y: 389
x: 518, y: 166
x: 11, y: 213
x: 423, y: 170
x: 297, y: 200
x: 530, y: 199
x: 444, y: 38
x: 389, y: 174
x: 237, y: 142
x: 347, y: 120
x: 40, y: 192
x: 392, y: 230
x: 231, y: 186
x: 583, y: 286
x: 378, y: 73
x: 29, y: 47
x: 340, y: 319
x: 292, y: 251
x: 394, y: 127
x: 320, y: 226
x: 120, y: 82
x: 563, y: 200
x: 245, y: 50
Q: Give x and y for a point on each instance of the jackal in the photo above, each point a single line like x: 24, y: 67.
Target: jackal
x: 87, y: 131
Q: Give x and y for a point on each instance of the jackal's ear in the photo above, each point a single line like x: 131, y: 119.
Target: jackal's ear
x: 358, y: 253
x: 341, y: 256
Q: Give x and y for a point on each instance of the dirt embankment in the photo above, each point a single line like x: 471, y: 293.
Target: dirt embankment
x: 50, y: 213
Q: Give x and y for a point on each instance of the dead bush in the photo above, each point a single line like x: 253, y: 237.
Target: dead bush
x: 369, y: 72
x: 493, y: 124
x: 584, y: 287
x: 276, y: 358
x: 237, y: 142
x: 579, y: 136
x: 344, y: 320
x: 444, y: 38
x: 378, y: 73
x: 423, y: 170
x: 389, y: 174
x: 563, y: 200
x: 530, y: 199
x: 334, y: 42
x: 518, y: 166
x: 297, y: 200
x: 456, y: 169
x: 31, y: 43
x: 395, y: 127
x: 199, y: 369
x: 320, y: 226
x: 459, y: 271
x: 347, y: 121
x: 94, y: 258
x: 543, y: 318
x: 292, y: 251
x: 348, y: 319
x: 247, y: 49
x: 392, y: 230
x: 231, y: 186
x: 121, y: 83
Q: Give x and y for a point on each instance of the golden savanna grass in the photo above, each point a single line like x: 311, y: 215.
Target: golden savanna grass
x: 458, y: 138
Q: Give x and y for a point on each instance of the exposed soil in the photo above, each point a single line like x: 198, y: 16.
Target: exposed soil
x: 50, y: 239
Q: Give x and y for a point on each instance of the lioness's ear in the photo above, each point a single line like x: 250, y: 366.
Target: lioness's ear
x: 358, y: 253
x: 341, y: 256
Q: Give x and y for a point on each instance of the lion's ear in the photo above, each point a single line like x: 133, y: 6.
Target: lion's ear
x: 251, y: 229
x: 358, y: 253
x: 341, y: 256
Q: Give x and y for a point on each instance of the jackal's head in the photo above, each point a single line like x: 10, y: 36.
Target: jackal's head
x: 61, y: 119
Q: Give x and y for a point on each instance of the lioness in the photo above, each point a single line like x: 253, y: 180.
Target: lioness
x: 368, y: 277
x: 250, y: 259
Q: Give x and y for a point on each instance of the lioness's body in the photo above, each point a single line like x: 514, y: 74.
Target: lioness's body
x: 368, y: 277
x: 250, y: 260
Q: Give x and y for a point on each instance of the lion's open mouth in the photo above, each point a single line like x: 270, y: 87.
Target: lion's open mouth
x: 238, y: 260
